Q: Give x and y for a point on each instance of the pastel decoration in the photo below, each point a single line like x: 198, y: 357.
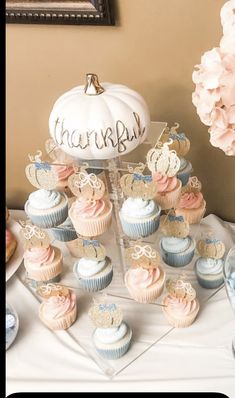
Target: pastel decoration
x: 137, y: 185
x: 40, y: 174
x: 163, y: 160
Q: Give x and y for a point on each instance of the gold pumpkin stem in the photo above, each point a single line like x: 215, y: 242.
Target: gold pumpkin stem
x: 93, y: 86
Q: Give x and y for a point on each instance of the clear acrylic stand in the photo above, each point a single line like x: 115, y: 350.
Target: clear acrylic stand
x: 115, y: 242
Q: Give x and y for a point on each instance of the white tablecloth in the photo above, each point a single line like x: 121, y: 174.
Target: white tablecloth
x: 198, y: 358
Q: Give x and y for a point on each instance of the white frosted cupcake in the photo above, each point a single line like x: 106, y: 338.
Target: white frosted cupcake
x: 177, y: 252
x: 47, y: 209
x: 139, y: 217
x: 92, y: 274
x: 209, y: 272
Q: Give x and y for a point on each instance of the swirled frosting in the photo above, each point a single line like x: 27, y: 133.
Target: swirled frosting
x: 208, y: 266
x: 9, y: 237
x: 85, y: 208
x: 43, y: 199
x: 86, y: 267
x: 180, y: 306
x: 57, y: 306
x: 140, y: 278
x: 190, y: 200
x: 110, y: 335
x: 175, y: 245
x: 164, y: 183
x: 138, y: 207
x: 40, y: 255
x: 63, y: 171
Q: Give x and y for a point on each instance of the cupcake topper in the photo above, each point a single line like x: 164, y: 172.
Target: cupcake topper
x: 175, y: 226
x: 180, y: 289
x: 180, y: 143
x: 33, y: 236
x: 138, y: 185
x: 87, y: 186
x: 144, y: 256
x: 163, y: 160
x: 211, y: 248
x: 104, y: 314
x: 90, y: 248
x: 52, y: 289
x: 193, y: 185
x: 56, y: 154
x: 40, y: 174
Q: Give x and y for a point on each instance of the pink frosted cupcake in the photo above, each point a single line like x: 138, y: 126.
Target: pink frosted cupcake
x: 191, y: 205
x: 58, y: 311
x: 43, y: 264
x: 168, y: 190
x: 91, y: 217
x: 180, y: 306
x: 145, y: 278
x: 63, y: 172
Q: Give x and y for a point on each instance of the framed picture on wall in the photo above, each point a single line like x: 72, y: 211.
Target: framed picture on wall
x: 64, y: 12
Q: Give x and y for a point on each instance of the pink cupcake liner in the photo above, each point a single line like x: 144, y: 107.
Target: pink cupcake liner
x: 61, y: 323
x: 181, y: 322
x: 92, y: 226
x: 46, y: 272
x: 192, y: 216
x: 170, y: 199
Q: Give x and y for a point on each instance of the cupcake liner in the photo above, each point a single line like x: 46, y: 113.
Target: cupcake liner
x: 146, y: 296
x: 114, y: 353
x: 140, y: 229
x: 92, y: 226
x: 192, y: 216
x: 96, y: 283
x: 210, y: 283
x: 61, y: 323
x: 49, y: 220
x: 184, y: 177
x: 177, y: 259
x: 35, y: 284
x: 170, y: 199
x: 180, y: 322
x: 64, y: 235
x: 46, y: 272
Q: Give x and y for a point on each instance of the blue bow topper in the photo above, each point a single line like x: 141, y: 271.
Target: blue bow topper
x: 175, y: 218
x: 107, y: 307
x: 208, y: 240
x: 42, y: 166
x: 87, y: 242
x: 140, y: 177
x: 179, y: 137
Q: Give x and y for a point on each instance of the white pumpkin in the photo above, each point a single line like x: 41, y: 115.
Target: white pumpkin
x: 99, y: 122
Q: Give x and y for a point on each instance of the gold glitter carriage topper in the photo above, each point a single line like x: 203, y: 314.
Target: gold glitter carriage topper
x: 142, y: 255
x: 135, y: 184
x: 180, y: 289
x: 40, y: 174
x: 33, y: 236
x: 84, y: 185
x: 193, y: 185
x: 90, y: 248
x: 163, y: 160
x: 175, y: 226
x: 104, y: 314
x: 52, y: 289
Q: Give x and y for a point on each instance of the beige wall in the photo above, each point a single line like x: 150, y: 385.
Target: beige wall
x: 152, y: 49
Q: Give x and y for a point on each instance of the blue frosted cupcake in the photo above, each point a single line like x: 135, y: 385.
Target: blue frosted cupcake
x: 93, y: 275
x: 185, y: 171
x: 113, y: 342
x: 209, y: 272
x: 139, y: 217
x: 64, y: 232
x: 177, y: 252
x: 47, y: 209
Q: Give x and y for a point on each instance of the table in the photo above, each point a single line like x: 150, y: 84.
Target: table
x: 198, y: 358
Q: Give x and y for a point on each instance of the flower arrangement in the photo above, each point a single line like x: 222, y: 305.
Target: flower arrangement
x: 214, y: 95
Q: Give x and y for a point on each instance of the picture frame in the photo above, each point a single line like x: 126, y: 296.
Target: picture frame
x: 63, y: 12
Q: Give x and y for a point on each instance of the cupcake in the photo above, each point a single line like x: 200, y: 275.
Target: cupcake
x: 64, y: 232
x: 177, y: 246
x: 63, y: 172
x: 91, y: 212
x: 139, y: 214
x: 180, y: 305
x: 191, y: 204
x: 93, y: 275
x: 185, y: 171
x: 145, y: 278
x: 58, y: 310
x: 94, y: 269
x: 209, y: 266
x: 43, y: 264
x: 47, y: 208
x: 168, y: 190
x: 112, y: 336
x: 11, y: 244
